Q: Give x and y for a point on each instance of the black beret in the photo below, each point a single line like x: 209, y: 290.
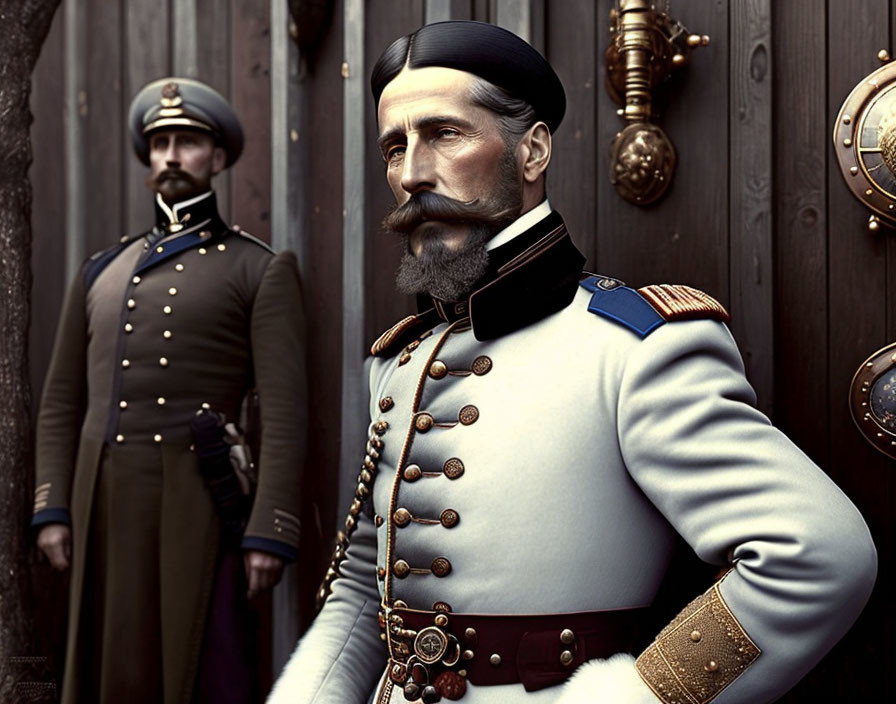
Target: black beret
x: 485, y: 50
x: 183, y: 103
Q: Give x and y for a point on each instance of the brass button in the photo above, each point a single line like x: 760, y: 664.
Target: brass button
x: 401, y: 569
x: 119, y: 438
x: 132, y: 304
x: 441, y: 607
x: 441, y: 567
x: 122, y: 404
x: 696, y: 636
x: 566, y: 658
x: 453, y: 468
x: 423, y: 422
x: 711, y: 666
x: 221, y: 247
x: 494, y: 659
x: 167, y: 310
x: 567, y: 636
x: 167, y: 334
x: 128, y: 327
x: 178, y: 267
x: 437, y: 370
x: 441, y: 620
x: 481, y: 365
x: 125, y: 363
x: 157, y: 437
x: 412, y: 472
x: 401, y: 517
x: 468, y: 655
x: 386, y: 403
x: 449, y: 518
x: 160, y: 400
x: 172, y: 291
x: 471, y: 635
x: 163, y: 361
x: 202, y: 250
x: 468, y: 415
x: 380, y: 427
x: 135, y: 280
x: 404, y: 359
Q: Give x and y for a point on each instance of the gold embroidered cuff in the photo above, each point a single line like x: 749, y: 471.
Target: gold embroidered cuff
x: 702, y: 651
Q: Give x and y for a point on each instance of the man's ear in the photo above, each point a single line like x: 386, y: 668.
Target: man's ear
x: 535, y: 151
x: 219, y: 159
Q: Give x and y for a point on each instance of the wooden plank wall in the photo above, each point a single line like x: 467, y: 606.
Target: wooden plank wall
x: 757, y: 215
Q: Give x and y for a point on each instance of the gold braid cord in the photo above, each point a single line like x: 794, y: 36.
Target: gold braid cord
x: 362, y: 494
x: 678, y: 302
x: 700, y: 653
x: 383, y: 341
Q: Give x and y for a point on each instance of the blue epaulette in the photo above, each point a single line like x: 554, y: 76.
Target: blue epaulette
x: 615, y: 301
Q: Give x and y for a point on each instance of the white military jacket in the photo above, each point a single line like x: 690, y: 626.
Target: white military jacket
x: 548, y: 467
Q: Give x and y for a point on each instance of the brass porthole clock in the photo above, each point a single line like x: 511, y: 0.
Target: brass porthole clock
x: 865, y: 142
x: 872, y: 399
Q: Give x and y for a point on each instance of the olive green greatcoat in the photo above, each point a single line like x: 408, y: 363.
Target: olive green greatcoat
x: 148, y: 333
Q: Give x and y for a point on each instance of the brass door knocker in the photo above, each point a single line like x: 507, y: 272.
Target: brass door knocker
x: 647, y: 45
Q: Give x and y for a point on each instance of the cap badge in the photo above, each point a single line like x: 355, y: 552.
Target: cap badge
x: 171, y: 95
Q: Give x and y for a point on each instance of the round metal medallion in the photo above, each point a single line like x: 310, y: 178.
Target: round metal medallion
x: 872, y: 399
x: 430, y: 644
x: 865, y: 141
x: 453, y: 468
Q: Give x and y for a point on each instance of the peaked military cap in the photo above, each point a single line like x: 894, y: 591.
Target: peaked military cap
x: 485, y: 50
x: 183, y: 103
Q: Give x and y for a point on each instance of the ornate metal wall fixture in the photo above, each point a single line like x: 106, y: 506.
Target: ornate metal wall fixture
x: 646, y: 45
x: 872, y: 399
x: 865, y: 142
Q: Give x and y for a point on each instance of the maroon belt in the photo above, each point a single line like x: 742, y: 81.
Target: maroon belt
x: 432, y: 654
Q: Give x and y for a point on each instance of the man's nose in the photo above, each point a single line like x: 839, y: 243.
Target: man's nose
x: 171, y: 154
x: 419, y: 168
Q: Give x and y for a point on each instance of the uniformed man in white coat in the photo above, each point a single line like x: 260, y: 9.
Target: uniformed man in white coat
x: 540, y: 438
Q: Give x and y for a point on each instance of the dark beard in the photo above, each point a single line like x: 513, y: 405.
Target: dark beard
x: 437, y: 270
x: 176, y: 186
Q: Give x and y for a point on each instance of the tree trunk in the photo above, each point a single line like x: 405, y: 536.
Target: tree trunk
x: 25, y: 26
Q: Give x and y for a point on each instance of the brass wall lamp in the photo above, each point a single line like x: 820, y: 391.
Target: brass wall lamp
x: 865, y: 142
x: 646, y: 46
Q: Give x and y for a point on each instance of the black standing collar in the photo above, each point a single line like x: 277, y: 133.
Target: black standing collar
x: 530, y: 277
x: 192, y: 214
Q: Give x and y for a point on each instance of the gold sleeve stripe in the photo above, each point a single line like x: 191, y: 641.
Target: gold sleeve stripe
x: 702, y: 651
x: 679, y: 302
x: 384, y: 340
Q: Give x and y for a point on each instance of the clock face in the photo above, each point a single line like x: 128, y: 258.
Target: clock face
x: 865, y: 141
x: 872, y: 399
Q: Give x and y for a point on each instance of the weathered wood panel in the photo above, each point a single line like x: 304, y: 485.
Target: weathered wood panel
x: 857, y: 265
x: 143, y: 60
x: 750, y: 207
x: 800, y: 186
x: 250, y: 92
x: 573, y: 50
x: 322, y: 288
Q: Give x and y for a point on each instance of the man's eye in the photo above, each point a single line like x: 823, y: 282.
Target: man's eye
x: 447, y: 133
x: 393, y: 153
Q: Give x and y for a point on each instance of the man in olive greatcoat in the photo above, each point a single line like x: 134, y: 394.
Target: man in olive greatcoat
x: 540, y: 438
x: 186, y: 317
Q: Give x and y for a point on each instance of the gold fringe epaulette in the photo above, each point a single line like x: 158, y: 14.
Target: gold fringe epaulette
x: 679, y: 302
x: 384, y: 341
